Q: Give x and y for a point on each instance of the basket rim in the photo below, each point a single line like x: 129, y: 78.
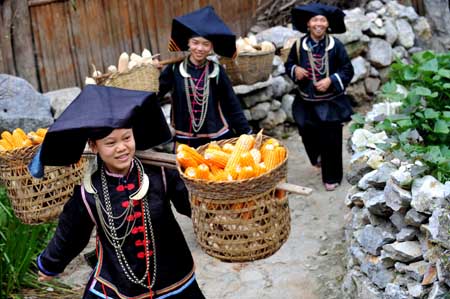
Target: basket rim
x: 257, y: 53
x: 13, y: 155
x: 134, y: 69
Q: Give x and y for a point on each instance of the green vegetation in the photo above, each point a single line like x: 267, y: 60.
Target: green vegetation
x: 420, y: 131
x: 19, y: 246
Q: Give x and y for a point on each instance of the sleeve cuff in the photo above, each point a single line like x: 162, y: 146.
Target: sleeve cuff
x: 337, y: 82
x: 42, y: 269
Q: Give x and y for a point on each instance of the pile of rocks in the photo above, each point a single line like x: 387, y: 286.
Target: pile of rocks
x: 398, y: 227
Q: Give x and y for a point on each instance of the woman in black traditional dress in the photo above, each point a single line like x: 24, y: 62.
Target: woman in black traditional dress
x: 204, y: 105
x: 319, y: 65
x: 141, y: 251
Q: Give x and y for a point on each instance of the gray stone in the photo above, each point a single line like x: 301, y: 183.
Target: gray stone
x: 438, y: 291
x: 402, y: 177
x: 258, y: 96
x: 377, y: 273
x: 357, y: 92
x: 408, y: 251
x: 400, y: 52
x: 356, y: 48
x: 22, y: 106
x: 277, y: 35
x: 246, y: 89
x: 417, y: 270
x: 273, y: 119
x: 406, y: 234
x: 422, y: 29
x: 374, y: 5
x: 377, y: 206
x: 277, y: 66
x: 372, y: 84
x: 372, y: 239
x: 260, y: 110
x: 398, y: 219
x: 443, y: 269
x: 275, y: 105
x: 281, y: 85
x: 394, y: 291
x: 405, y: 33
x: 391, y: 31
x: 428, y: 194
x: 376, y: 30
x: 61, y: 98
x: 379, y: 177
x: 415, y: 218
x: 361, y: 68
x: 380, y: 52
x: 356, y: 286
x: 358, y: 167
x: 397, y: 198
x: 439, y: 227
x: 415, y: 289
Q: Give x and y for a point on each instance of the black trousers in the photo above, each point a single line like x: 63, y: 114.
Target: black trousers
x: 323, y: 144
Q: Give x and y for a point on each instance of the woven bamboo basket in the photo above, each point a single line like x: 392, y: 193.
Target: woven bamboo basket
x: 240, y: 221
x: 249, y: 68
x: 34, y: 200
x: 144, y: 77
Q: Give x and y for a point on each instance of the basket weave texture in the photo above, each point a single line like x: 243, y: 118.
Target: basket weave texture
x: 144, y: 77
x: 249, y: 68
x: 239, y: 221
x: 34, y: 200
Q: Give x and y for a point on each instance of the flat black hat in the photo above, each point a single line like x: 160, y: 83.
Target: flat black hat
x: 206, y: 23
x: 303, y: 13
x: 99, y: 109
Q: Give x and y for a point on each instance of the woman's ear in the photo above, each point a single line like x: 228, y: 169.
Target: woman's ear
x: 93, y: 146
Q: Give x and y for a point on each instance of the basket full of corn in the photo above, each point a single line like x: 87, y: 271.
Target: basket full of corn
x: 238, y: 213
x: 34, y: 200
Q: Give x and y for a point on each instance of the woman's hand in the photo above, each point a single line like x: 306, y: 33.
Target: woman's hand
x: 42, y: 277
x: 300, y: 73
x: 323, y: 84
x: 157, y: 64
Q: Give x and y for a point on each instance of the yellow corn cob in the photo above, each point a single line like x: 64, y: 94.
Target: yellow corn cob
x: 280, y: 154
x: 228, y: 148
x: 186, y: 160
x: 264, y: 149
x: 256, y: 154
x: 203, y: 172
x: 2, y: 149
x: 35, y: 138
x: 191, y: 172
x: 5, y: 144
x: 246, y: 173
x: 8, y: 138
x: 270, y: 158
x: 18, y: 132
x: 262, y: 168
x: 41, y: 132
x: 244, y: 143
x: 192, y: 152
x: 216, y: 157
x: 272, y: 141
x: 246, y: 159
x: 214, y: 145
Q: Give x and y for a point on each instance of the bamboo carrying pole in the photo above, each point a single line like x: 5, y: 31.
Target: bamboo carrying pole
x: 169, y: 160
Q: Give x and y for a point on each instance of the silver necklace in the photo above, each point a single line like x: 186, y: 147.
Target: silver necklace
x: 319, y: 65
x: 117, y: 242
x: 199, y: 97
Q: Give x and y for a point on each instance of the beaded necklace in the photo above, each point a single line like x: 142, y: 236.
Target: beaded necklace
x: 319, y: 65
x: 199, y: 96
x: 117, y: 241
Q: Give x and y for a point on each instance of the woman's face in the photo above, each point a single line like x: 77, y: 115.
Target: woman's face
x: 200, y: 48
x: 318, y: 26
x: 116, y: 150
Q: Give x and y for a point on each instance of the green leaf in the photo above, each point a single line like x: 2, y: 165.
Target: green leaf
x: 405, y: 123
x: 444, y: 73
x: 446, y: 85
x: 446, y: 115
x: 441, y: 127
x: 389, y: 87
x: 358, y: 118
x: 431, y: 113
x: 410, y: 74
x: 430, y: 66
x: 422, y: 91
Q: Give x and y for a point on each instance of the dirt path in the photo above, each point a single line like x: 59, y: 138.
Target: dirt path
x: 308, y: 266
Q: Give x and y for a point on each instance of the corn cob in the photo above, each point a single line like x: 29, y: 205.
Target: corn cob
x: 5, y: 144
x: 244, y: 143
x: 256, y: 154
x: 264, y: 149
x: 203, y: 172
x: 35, y: 138
x: 192, y: 152
x: 246, y: 173
x: 213, y: 145
x: 228, y: 148
x: 280, y: 154
x: 262, y: 168
x: 8, y: 138
x: 41, y: 132
x: 270, y: 158
x: 246, y: 159
x: 216, y: 157
x: 185, y: 160
x: 191, y: 172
